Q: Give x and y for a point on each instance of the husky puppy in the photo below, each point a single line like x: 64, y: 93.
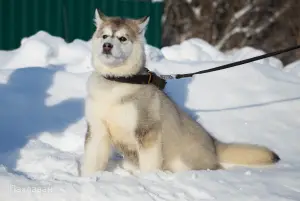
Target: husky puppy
x: 140, y: 120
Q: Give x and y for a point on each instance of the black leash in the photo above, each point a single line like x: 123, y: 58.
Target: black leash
x: 230, y: 65
x: 160, y: 81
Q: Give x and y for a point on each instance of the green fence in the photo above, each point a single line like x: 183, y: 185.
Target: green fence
x: 70, y: 19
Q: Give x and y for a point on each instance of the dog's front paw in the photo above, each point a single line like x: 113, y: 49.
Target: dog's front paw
x: 86, y: 171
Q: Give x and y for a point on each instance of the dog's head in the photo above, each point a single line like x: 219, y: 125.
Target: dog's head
x: 118, y: 45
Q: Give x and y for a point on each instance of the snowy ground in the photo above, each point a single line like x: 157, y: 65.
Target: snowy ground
x: 42, y: 87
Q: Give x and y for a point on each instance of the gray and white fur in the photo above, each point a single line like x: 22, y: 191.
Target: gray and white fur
x: 141, y: 121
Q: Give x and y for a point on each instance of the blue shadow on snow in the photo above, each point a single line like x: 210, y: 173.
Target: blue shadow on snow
x: 24, y: 114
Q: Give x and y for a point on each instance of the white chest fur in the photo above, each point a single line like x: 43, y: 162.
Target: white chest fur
x: 103, y: 104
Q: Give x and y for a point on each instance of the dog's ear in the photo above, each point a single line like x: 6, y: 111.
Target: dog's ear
x: 99, y: 17
x: 143, y: 24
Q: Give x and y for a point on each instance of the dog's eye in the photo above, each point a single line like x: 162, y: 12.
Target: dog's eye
x: 104, y: 36
x: 123, y: 39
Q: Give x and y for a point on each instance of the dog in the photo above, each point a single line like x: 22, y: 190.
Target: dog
x: 140, y: 120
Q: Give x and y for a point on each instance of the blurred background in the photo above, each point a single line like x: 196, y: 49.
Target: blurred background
x: 264, y: 24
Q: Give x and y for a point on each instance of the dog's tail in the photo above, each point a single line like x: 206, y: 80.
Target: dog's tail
x: 245, y: 154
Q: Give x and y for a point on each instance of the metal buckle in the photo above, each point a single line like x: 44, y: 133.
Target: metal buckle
x: 150, y: 77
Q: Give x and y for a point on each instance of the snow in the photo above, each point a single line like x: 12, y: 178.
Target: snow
x: 42, y: 127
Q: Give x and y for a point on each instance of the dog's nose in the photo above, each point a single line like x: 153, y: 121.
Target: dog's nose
x: 107, y: 47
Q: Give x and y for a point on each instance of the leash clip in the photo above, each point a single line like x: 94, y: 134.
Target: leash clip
x: 168, y: 77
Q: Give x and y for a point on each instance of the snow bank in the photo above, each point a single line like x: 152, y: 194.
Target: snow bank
x: 42, y: 87
x: 44, y: 50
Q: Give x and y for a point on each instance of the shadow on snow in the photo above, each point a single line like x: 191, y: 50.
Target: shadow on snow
x: 24, y: 113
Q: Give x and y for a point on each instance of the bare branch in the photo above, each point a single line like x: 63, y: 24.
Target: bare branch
x: 234, y: 31
x: 241, y: 12
x: 238, y: 16
x: 272, y: 19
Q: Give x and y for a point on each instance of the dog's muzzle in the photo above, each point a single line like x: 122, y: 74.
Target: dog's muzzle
x: 107, y: 47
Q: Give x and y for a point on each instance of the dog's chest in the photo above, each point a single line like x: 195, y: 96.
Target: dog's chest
x: 121, y: 119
